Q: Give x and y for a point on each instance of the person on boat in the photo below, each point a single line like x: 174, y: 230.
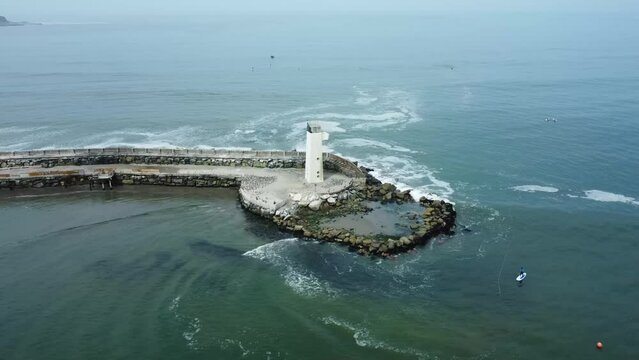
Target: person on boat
x: 521, y: 271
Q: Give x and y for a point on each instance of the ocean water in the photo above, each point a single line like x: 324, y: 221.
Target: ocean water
x: 529, y: 123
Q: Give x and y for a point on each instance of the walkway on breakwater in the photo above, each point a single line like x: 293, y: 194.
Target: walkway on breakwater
x: 268, y: 190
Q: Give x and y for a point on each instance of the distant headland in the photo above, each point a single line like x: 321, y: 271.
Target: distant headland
x: 5, y: 22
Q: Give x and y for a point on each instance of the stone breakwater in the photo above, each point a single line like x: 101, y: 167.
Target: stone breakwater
x: 270, y: 184
x: 437, y: 218
x: 214, y: 157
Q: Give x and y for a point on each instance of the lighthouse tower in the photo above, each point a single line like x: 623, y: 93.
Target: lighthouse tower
x: 314, y: 168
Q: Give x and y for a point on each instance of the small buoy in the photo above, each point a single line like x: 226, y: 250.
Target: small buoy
x: 599, y: 345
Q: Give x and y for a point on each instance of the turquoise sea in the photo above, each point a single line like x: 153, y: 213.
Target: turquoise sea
x: 529, y: 123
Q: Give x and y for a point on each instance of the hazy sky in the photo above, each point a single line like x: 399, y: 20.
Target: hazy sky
x: 43, y: 9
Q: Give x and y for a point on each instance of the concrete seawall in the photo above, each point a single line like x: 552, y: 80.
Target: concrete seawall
x: 270, y: 182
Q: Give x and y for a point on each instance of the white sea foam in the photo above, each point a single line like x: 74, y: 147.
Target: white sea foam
x: 357, y: 142
x: 15, y: 147
x: 232, y: 148
x: 535, y: 188
x: 226, y: 343
x: 27, y: 138
x: 298, y: 129
x: 174, y: 304
x: 283, y: 119
x: 118, y: 142
x: 244, y: 132
x: 390, y: 108
x: 605, y: 196
x: 402, y: 171
x: 295, y: 276
x: 364, y: 98
x: 20, y: 130
x: 192, y: 329
x: 184, y: 136
x: 392, y: 115
x: 363, y: 338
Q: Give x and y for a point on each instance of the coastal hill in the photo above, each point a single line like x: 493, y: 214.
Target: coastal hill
x: 5, y: 22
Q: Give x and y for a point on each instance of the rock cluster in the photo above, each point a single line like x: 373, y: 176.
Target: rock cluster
x: 438, y: 218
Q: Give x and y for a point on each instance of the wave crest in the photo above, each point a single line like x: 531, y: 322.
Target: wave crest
x: 604, y: 196
x: 535, y: 188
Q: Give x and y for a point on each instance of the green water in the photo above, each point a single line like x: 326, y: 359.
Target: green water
x: 527, y: 121
x: 153, y: 272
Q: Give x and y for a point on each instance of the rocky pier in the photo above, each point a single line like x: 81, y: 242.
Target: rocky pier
x: 270, y: 184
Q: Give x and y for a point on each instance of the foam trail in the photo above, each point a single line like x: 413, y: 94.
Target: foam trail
x: 295, y: 276
x: 604, y: 196
x: 20, y: 130
x: 182, y: 137
x: 298, y: 129
x: 357, y: 142
x: 392, y: 115
x: 362, y: 338
x: 364, y: 97
x: 189, y: 334
x: 535, y: 188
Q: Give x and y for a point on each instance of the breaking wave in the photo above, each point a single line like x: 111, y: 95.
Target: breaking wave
x: 604, y: 196
x: 406, y: 174
x: 535, y: 188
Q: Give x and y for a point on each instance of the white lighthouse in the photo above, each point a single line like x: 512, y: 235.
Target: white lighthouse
x: 314, y: 168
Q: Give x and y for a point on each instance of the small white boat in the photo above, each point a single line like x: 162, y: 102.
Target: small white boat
x: 521, y: 277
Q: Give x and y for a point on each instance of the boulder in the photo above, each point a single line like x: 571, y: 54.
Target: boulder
x: 388, y: 188
x: 315, y: 204
x: 331, y: 201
